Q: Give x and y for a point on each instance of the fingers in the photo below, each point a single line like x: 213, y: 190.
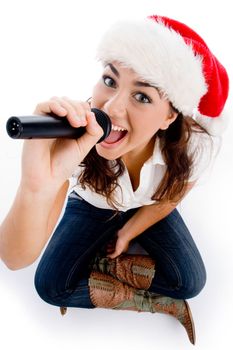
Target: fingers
x: 114, y: 254
x: 121, y: 246
x: 78, y: 114
x: 74, y: 111
x: 92, y: 127
x: 110, y: 247
x: 50, y: 107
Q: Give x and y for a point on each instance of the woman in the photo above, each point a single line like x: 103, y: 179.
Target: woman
x: 162, y: 89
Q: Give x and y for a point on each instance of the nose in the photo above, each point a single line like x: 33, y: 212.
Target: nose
x: 116, y: 106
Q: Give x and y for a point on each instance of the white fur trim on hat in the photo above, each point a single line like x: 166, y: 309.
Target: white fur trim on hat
x: 214, y: 126
x: 160, y: 56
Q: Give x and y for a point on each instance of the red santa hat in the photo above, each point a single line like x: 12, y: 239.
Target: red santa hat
x: 171, y: 56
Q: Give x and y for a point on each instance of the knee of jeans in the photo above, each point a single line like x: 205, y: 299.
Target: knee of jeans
x: 46, y: 288
x: 192, y: 286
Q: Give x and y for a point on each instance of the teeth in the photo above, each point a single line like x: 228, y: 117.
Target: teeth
x: 117, y: 128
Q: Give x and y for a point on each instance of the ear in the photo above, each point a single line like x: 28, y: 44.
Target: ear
x: 170, y: 119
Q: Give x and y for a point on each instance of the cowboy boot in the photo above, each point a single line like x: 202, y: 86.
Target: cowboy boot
x: 135, y: 270
x: 107, y: 292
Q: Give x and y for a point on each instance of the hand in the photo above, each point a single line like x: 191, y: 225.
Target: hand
x: 54, y: 160
x: 117, y: 246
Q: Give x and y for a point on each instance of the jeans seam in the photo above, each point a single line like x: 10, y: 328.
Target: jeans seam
x: 178, y: 275
x: 77, y: 261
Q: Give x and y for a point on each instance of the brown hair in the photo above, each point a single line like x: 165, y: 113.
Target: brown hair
x: 174, y: 143
x: 101, y: 174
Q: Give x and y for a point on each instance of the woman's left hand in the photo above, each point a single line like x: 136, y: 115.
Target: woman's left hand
x: 117, y: 246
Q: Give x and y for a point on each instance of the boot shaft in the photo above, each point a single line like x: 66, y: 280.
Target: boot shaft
x: 108, y: 292
x: 135, y: 270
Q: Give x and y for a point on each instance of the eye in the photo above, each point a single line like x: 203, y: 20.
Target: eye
x: 142, y: 98
x: 108, y: 81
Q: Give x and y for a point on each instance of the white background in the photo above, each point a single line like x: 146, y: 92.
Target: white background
x: 47, y: 48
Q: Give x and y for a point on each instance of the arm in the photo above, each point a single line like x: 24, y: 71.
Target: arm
x: 45, y: 167
x: 145, y: 217
x: 29, y: 224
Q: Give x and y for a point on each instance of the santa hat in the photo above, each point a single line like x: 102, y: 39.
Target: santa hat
x: 171, y: 56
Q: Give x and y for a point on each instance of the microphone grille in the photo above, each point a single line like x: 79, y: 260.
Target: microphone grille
x: 104, y: 121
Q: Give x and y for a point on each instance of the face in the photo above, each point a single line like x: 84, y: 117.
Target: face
x: 136, y: 109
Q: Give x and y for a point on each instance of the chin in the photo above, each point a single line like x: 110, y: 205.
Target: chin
x: 106, y: 154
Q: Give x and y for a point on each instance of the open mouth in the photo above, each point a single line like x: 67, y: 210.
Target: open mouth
x: 117, y: 133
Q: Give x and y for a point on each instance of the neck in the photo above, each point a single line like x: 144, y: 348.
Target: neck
x: 134, y: 161
x: 139, y: 155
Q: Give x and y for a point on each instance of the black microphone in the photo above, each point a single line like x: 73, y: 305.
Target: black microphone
x: 50, y: 127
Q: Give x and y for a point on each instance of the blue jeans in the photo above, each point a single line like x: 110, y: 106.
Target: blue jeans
x: 62, y: 274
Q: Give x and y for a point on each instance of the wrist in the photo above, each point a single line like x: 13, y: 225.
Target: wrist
x: 124, y: 235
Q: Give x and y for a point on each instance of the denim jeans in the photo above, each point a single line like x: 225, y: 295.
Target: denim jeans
x: 62, y: 274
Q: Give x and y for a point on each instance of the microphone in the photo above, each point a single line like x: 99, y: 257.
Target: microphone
x: 50, y: 127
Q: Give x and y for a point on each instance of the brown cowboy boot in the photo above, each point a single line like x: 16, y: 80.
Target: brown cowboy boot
x: 135, y: 270
x: 107, y: 292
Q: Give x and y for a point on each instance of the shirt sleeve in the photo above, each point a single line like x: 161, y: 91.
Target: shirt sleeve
x: 204, y: 150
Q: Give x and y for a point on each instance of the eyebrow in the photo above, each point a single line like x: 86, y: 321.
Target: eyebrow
x: 136, y: 83
x: 114, y: 70
x: 142, y: 83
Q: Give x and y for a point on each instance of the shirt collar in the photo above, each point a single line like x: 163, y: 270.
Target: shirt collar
x: 157, y: 157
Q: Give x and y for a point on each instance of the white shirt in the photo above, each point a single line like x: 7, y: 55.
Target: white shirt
x: 151, y: 174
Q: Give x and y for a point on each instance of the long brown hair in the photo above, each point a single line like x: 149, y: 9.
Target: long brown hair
x: 101, y: 174
x: 174, y: 143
